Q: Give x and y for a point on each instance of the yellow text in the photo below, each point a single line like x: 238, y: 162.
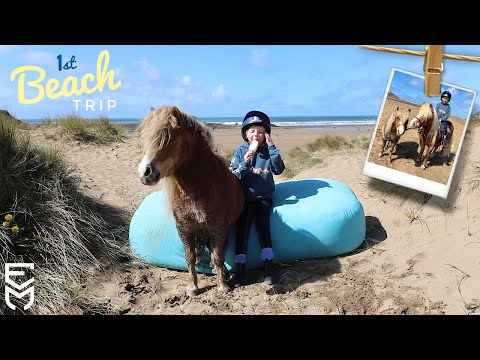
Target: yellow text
x: 89, y: 83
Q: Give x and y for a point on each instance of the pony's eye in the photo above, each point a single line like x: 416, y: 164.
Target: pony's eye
x: 172, y: 141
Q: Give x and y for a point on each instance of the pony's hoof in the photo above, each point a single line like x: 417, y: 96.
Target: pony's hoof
x: 191, y: 291
x: 424, y: 167
x: 224, y: 288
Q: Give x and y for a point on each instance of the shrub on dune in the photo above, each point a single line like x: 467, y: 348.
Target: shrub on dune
x: 303, y: 158
x: 47, y: 221
x: 76, y: 128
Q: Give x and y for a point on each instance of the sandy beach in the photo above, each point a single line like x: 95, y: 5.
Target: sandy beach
x: 404, y: 159
x: 286, y: 138
x: 420, y: 254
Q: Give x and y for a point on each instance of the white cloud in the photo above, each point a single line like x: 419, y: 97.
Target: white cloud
x: 7, y: 48
x: 453, y: 91
x: 259, y: 58
x: 148, y: 69
x: 39, y: 58
x: 186, y: 80
x: 194, y: 97
x: 416, y: 83
x: 176, y: 92
x: 219, y: 92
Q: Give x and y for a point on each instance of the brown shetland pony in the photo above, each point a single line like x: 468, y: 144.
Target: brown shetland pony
x: 394, y: 128
x: 426, y: 121
x: 205, y: 197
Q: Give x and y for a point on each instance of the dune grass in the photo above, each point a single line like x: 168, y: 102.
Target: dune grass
x: 301, y: 158
x: 226, y: 155
x: 77, y: 128
x: 381, y: 189
x: 474, y: 120
x: 47, y: 221
x: 473, y: 180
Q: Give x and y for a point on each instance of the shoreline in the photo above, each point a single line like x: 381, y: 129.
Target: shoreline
x: 227, y: 137
x: 361, y: 128
x: 287, y: 138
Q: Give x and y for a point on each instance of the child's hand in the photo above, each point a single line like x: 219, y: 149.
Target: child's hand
x: 259, y: 171
x: 268, y: 139
x: 248, y: 156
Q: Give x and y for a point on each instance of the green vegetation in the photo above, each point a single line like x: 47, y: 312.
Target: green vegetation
x: 300, y: 159
x: 473, y: 181
x: 226, y: 155
x: 475, y: 119
x: 380, y: 188
x: 77, y: 128
x: 47, y: 221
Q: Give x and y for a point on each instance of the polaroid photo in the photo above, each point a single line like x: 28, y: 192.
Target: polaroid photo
x: 409, y: 122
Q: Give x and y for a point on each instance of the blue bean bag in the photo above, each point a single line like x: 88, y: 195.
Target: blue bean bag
x: 311, y: 218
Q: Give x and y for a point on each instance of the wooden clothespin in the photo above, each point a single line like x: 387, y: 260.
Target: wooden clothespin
x: 433, y: 67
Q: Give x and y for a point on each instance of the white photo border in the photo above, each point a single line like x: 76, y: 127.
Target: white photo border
x: 407, y: 180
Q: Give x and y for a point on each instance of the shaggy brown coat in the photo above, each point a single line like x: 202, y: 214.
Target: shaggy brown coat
x: 204, y: 196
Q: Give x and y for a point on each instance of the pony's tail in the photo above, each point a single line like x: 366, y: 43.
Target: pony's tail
x: 448, y: 149
x: 199, y: 249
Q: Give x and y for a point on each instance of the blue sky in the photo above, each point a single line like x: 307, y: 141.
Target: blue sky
x: 411, y: 87
x: 224, y: 80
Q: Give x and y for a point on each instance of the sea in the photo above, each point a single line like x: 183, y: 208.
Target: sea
x: 310, y: 122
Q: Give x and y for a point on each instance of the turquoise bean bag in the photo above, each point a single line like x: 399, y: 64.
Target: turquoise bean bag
x: 311, y: 218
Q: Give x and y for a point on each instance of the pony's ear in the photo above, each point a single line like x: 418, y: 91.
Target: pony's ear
x: 409, y: 110
x: 176, y: 112
x: 398, y: 107
x: 431, y: 106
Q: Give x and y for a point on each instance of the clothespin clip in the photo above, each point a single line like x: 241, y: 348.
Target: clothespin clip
x: 433, y: 67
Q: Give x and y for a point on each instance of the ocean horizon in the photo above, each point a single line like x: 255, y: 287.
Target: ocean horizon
x: 284, y: 121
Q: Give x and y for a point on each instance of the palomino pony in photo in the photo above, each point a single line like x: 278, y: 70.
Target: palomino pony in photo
x: 426, y: 121
x: 204, y: 196
x: 394, y: 128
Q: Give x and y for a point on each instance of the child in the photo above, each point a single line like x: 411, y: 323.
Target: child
x: 443, y: 112
x: 254, y: 169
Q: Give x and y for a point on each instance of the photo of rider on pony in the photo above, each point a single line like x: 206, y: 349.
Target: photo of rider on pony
x: 443, y: 112
x: 421, y: 135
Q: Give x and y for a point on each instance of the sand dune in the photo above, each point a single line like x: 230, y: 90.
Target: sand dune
x: 439, y: 169
x: 418, y: 258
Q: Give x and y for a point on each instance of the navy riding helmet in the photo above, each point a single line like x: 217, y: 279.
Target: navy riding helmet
x: 255, y: 118
x: 447, y: 94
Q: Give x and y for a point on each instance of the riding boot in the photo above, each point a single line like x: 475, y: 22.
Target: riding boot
x: 444, y: 140
x: 240, y: 275
x: 270, y: 276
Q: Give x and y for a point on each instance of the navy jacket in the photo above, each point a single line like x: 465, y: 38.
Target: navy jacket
x: 257, y: 186
x: 443, y: 111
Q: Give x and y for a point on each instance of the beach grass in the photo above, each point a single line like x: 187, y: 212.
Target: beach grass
x: 473, y: 180
x: 474, y: 120
x: 301, y: 158
x: 46, y: 220
x: 226, y: 155
x: 77, y: 128
x: 381, y: 189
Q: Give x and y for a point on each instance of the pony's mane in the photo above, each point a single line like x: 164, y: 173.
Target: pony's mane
x: 156, y: 129
x: 429, y: 112
x: 425, y: 110
x: 391, y: 123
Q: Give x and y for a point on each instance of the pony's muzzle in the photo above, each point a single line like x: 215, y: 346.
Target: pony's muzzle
x: 150, y: 176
